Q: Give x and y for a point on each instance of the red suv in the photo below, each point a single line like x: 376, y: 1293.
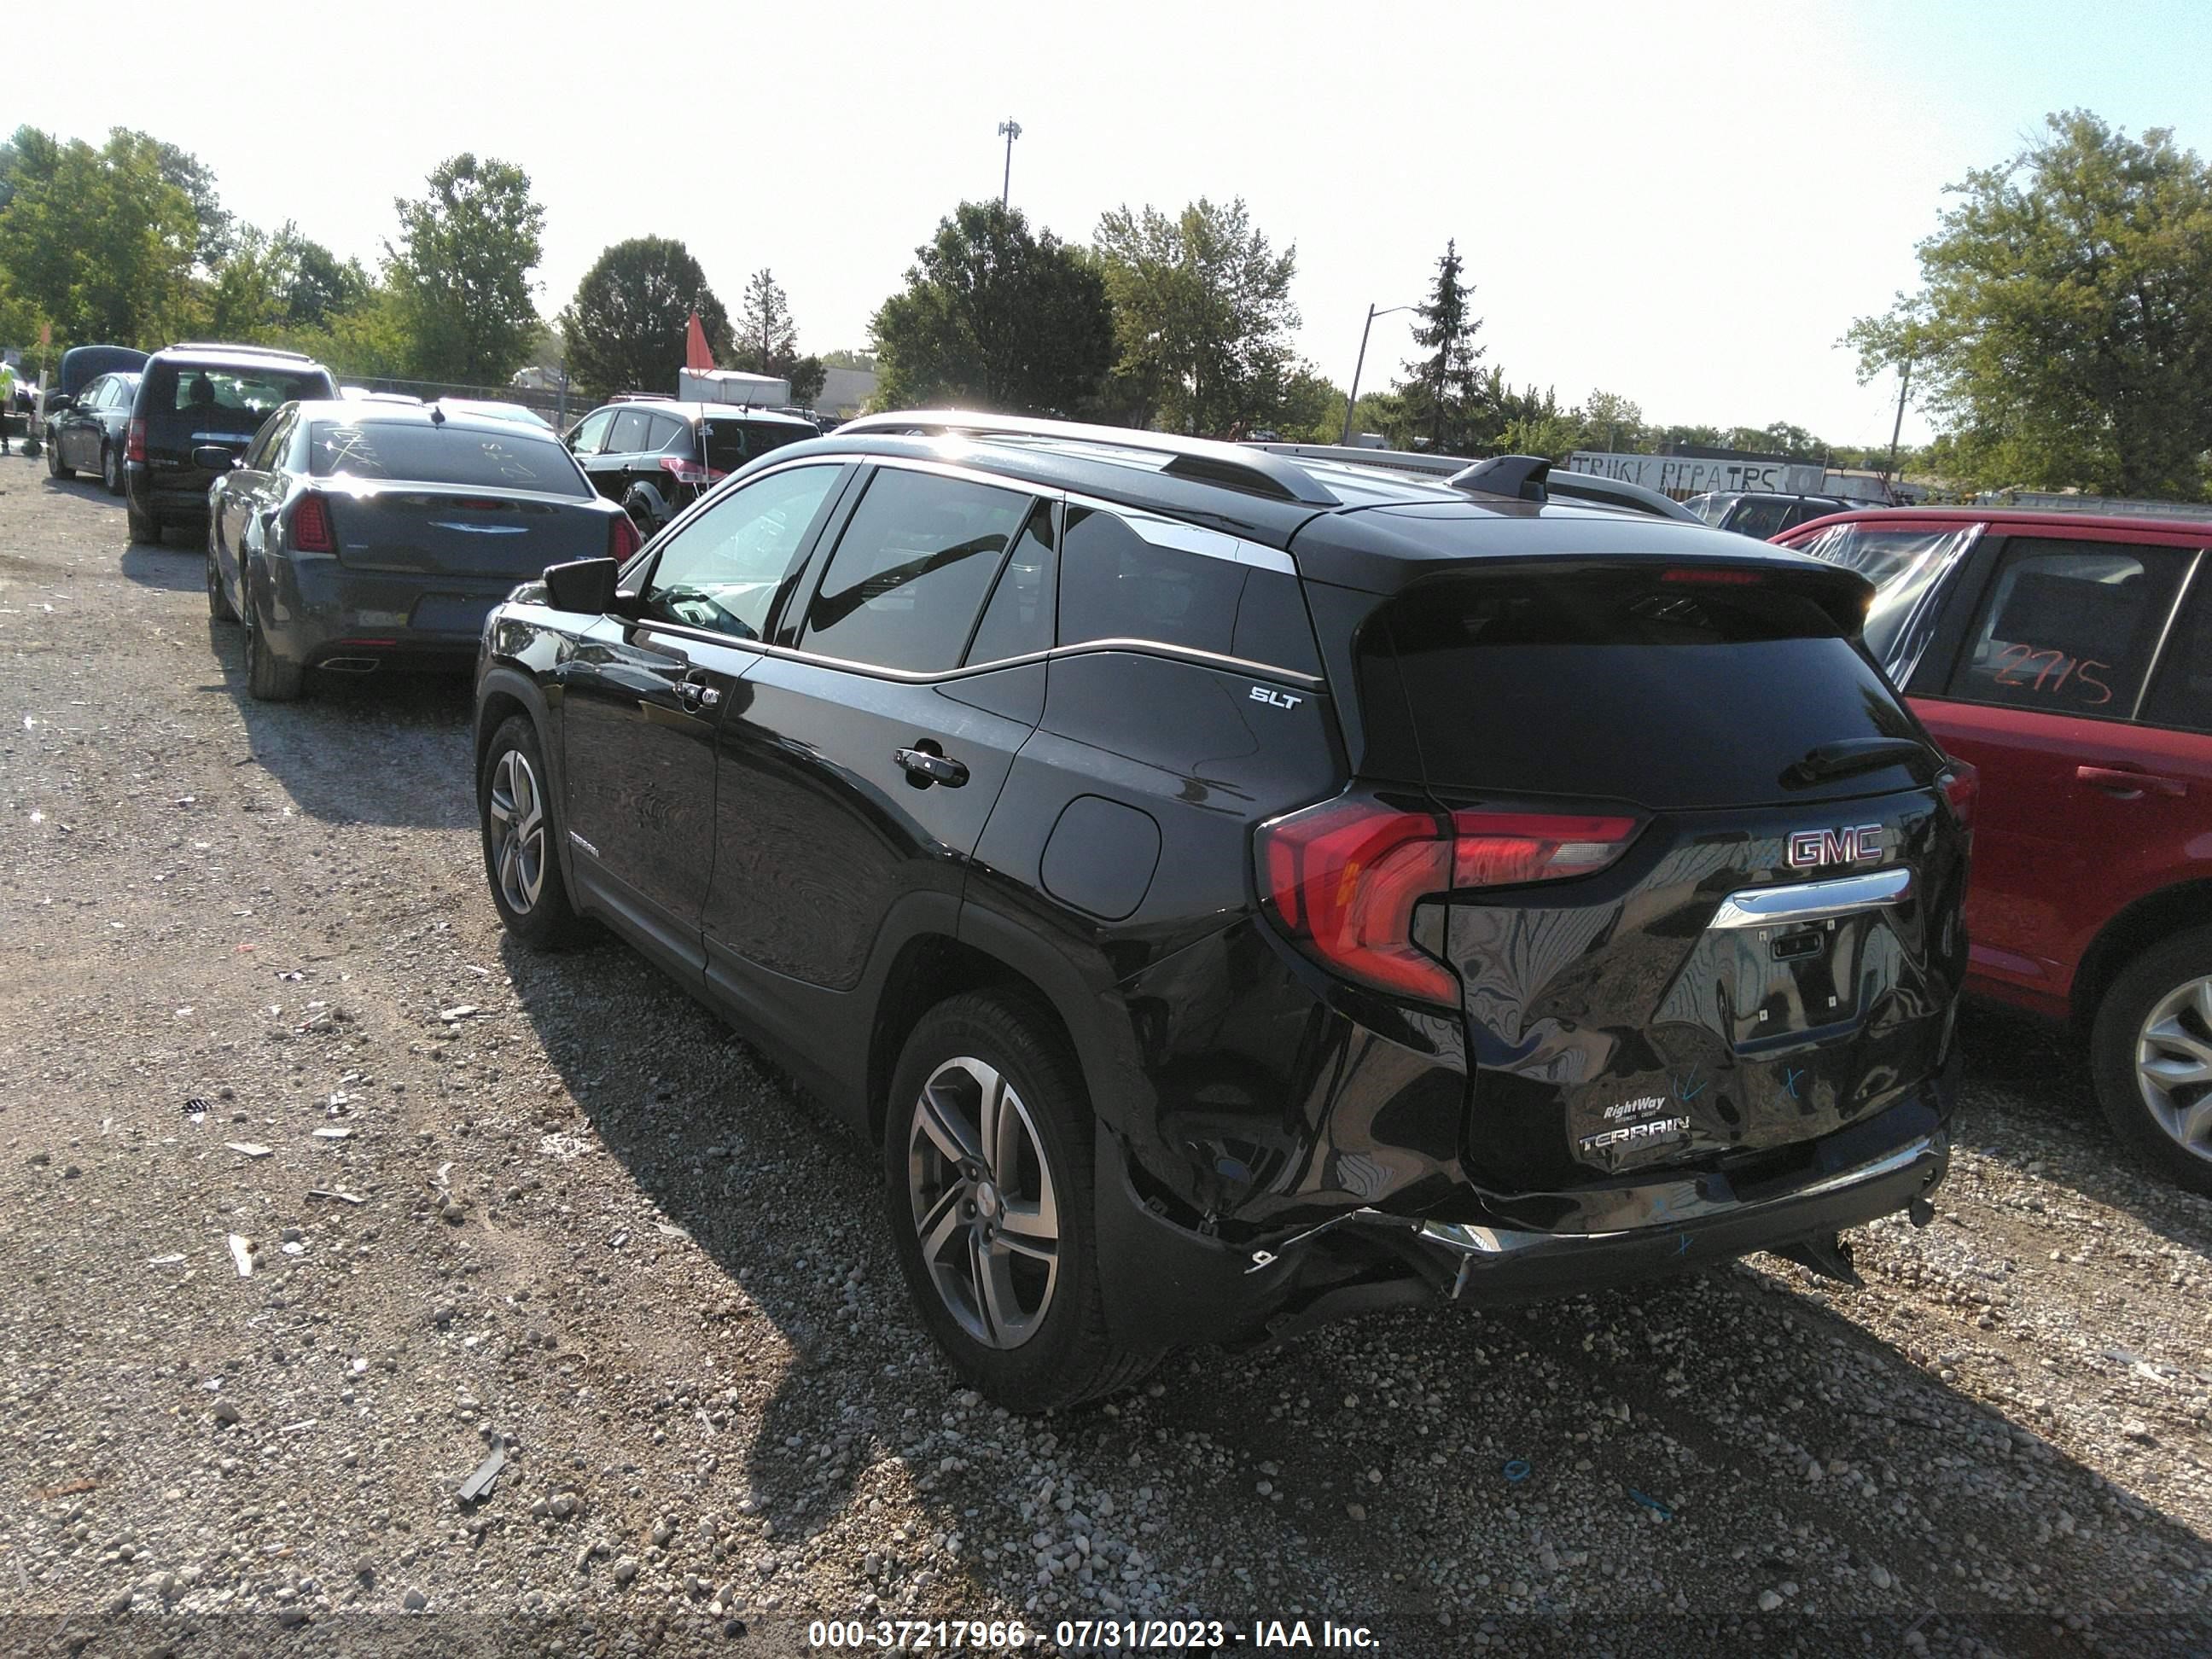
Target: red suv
x: 2069, y: 658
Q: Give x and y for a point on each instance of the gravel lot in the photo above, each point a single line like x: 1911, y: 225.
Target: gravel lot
x: 250, y: 965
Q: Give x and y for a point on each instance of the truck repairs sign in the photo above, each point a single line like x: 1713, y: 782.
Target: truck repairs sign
x: 1685, y: 475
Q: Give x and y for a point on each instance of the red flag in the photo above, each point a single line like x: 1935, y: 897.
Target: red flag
x: 695, y: 355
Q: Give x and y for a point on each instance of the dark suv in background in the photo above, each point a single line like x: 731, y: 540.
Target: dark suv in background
x: 1235, y: 892
x: 656, y: 456
x: 1763, y: 513
x: 197, y: 409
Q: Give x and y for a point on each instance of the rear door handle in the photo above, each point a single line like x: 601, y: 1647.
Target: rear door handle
x: 2129, y: 785
x: 927, y: 768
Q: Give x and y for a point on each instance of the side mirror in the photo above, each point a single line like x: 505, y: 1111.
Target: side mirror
x: 213, y: 458
x: 584, y: 586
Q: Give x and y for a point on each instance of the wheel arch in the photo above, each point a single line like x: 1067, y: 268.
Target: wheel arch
x: 930, y: 969
x: 2136, y: 928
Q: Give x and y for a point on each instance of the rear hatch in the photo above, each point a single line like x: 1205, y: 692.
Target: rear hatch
x: 190, y: 405
x: 1689, y: 870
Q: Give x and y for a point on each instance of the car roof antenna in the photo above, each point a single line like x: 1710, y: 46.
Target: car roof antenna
x: 437, y: 416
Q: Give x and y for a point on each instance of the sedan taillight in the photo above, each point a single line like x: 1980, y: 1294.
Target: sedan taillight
x: 134, y: 443
x: 1962, y: 787
x: 312, y: 531
x: 622, y: 538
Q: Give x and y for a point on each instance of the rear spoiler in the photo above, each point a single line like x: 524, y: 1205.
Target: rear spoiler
x: 1452, y: 469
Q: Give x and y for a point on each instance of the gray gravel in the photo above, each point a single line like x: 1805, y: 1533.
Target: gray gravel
x: 551, y: 1203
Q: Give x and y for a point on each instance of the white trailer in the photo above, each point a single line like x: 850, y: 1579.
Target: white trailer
x: 730, y: 385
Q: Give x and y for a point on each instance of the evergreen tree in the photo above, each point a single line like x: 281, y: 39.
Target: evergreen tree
x: 1444, y: 390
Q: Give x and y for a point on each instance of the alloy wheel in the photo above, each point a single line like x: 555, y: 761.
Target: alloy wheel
x: 2173, y: 1065
x: 517, y: 811
x: 111, y: 472
x: 984, y: 1206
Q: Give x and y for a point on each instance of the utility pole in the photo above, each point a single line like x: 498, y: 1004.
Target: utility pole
x: 1352, y: 398
x: 1904, y: 386
x: 1008, y: 131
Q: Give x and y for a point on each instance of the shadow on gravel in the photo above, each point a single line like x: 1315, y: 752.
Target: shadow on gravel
x: 1385, y: 1441
x: 353, y: 748
x: 172, y: 569
x: 2027, y: 1072
x: 84, y: 489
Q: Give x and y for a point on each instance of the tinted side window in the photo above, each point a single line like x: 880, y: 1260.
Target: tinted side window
x: 722, y: 568
x: 2068, y: 627
x: 2181, y: 689
x: 628, y: 436
x: 590, y: 434
x: 1018, y: 620
x: 1115, y: 584
x: 905, y: 586
x: 1759, y: 518
x: 663, y: 432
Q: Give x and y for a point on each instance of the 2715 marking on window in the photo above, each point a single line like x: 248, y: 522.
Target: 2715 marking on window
x: 2075, y: 668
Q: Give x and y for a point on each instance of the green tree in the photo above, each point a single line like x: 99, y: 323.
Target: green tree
x: 1444, y: 390
x: 1613, y: 423
x: 993, y: 317
x: 2062, y: 334
x: 461, y: 268
x: 768, y: 339
x: 96, y: 241
x: 1202, y: 314
x: 626, y: 326
x: 1312, y: 409
x: 216, y: 235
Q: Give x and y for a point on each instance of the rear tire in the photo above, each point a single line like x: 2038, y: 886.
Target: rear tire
x: 641, y: 513
x: 111, y: 469
x: 2152, y: 1034
x: 989, y: 1076
x: 54, y: 467
x: 521, y: 851
x: 268, y: 676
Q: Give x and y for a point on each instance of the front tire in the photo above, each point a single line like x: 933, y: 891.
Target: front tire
x: 521, y: 856
x: 111, y: 469
x: 2151, y: 1054
x: 268, y: 676
x: 987, y: 1181
x: 219, y: 605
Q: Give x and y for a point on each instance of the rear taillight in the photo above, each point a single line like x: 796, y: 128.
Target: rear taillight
x: 1342, y: 879
x: 1962, y: 786
x: 134, y: 443
x: 689, y: 473
x: 312, y: 531
x: 622, y: 538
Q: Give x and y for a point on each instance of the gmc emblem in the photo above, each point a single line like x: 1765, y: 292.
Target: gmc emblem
x: 1854, y: 844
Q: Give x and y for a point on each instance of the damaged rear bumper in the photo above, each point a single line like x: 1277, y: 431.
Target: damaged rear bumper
x: 1166, y: 1284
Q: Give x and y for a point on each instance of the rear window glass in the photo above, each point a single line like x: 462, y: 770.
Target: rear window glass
x: 1616, y: 686
x: 1759, y: 518
x: 227, y: 400
x: 2068, y: 627
x: 731, y: 444
x: 510, y: 459
x: 1903, y: 564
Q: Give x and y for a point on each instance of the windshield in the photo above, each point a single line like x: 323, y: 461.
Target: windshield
x: 1903, y: 565
x: 513, y: 458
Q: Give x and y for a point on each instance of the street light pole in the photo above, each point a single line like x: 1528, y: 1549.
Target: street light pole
x: 1352, y: 398
x: 1008, y: 131
x: 1896, y: 428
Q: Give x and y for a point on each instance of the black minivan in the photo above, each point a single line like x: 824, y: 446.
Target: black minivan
x: 198, y: 406
x: 1233, y: 892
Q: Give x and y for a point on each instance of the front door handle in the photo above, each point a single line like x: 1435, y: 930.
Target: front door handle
x: 926, y: 767
x: 2129, y: 785
x: 697, y: 694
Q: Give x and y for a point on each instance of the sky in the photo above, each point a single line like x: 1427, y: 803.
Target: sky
x: 1685, y: 204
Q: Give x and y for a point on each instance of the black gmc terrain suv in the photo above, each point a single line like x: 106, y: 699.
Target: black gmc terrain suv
x: 1235, y: 890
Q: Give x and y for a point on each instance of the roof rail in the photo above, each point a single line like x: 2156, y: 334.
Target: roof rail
x: 1521, y: 476
x: 642, y: 398
x: 237, y: 345
x: 1233, y: 466
x: 1424, y: 463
